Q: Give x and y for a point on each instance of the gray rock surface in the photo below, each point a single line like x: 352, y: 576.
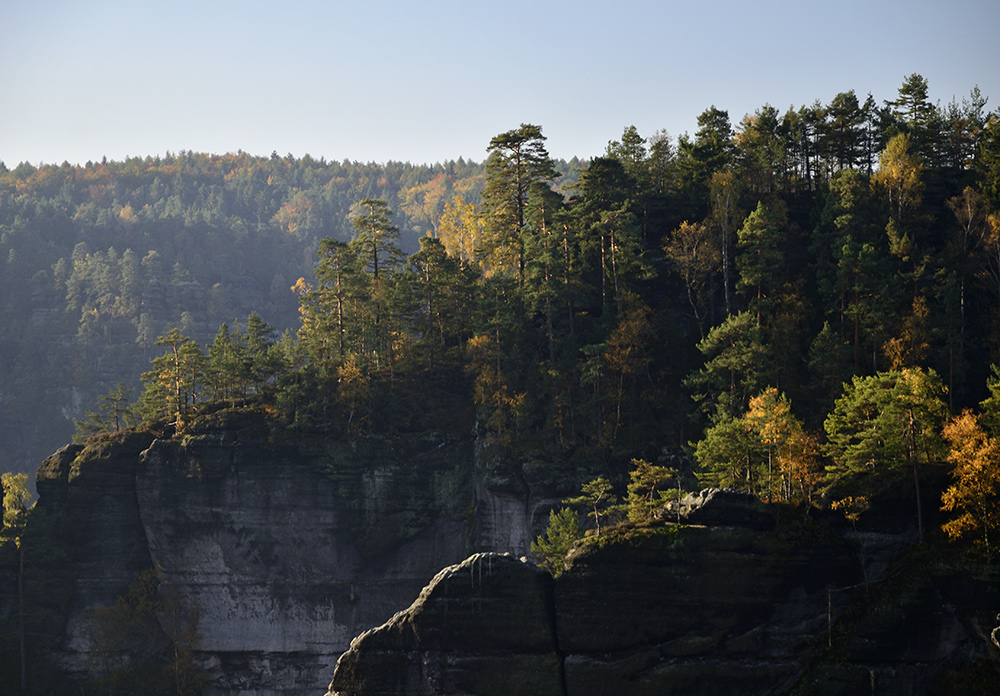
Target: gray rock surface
x: 722, y: 609
x: 719, y: 507
x: 451, y: 638
x: 288, y: 545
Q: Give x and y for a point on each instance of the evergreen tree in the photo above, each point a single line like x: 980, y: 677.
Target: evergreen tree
x: 440, y: 288
x: 647, y: 489
x: 596, y: 495
x: 563, y: 531
x: 609, y: 233
x: 331, y: 312
x: 376, y: 238
x: 710, y: 151
x: 173, y: 387
x: 737, y: 365
x: 760, y: 151
x: 842, y: 131
x: 852, y: 268
x: 760, y: 242
x: 918, y: 116
x: 630, y: 151
x: 516, y: 160
x: 228, y: 366
x: 888, y: 421
x: 547, y: 263
x: 116, y: 413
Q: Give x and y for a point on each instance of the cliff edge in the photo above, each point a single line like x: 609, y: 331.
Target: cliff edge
x: 285, y: 544
x: 732, y: 601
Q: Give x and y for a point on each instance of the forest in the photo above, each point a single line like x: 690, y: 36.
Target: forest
x: 103, y: 258
x: 777, y: 304
x: 803, y: 305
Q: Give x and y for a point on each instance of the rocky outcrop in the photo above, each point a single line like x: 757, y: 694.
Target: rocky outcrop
x: 92, y: 490
x: 719, y: 508
x: 484, y: 626
x: 739, y: 607
x: 287, y: 545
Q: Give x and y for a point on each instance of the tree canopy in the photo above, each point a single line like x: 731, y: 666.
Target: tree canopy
x: 717, y: 297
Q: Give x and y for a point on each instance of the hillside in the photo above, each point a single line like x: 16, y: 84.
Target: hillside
x: 801, y: 307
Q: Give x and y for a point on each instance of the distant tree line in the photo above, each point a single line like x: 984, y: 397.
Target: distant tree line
x: 803, y: 300
x: 99, y: 260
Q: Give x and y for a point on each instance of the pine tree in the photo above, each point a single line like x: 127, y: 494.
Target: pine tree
x: 563, y: 531
x: 516, y: 160
x: 885, y: 422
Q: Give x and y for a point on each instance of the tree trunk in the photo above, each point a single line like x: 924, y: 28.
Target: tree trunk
x: 21, y: 632
x: 920, y: 511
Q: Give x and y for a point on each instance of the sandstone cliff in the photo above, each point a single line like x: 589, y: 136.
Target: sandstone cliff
x: 739, y: 603
x: 286, y: 544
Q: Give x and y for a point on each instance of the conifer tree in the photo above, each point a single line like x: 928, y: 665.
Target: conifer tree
x: 516, y: 160
x: 761, y: 259
x: 563, y: 531
x: 885, y: 422
x: 737, y: 364
x: 116, y: 413
x: 596, y: 495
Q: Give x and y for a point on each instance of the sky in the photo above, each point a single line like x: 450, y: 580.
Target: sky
x: 431, y: 81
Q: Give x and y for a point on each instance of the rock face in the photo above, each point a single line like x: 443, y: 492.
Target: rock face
x: 666, y: 609
x: 286, y: 546
x: 484, y: 626
x: 289, y: 544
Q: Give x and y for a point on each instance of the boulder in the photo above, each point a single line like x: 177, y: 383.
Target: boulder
x: 718, y: 507
x: 484, y: 626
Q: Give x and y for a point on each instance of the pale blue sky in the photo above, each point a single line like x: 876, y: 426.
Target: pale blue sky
x: 430, y: 81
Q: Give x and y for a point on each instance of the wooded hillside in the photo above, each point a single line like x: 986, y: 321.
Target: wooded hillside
x: 641, y: 302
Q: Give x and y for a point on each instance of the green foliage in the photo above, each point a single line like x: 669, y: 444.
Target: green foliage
x: 102, y: 258
x: 736, y: 367
x: 436, y: 290
x: 760, y: 261
x: 647, y: 489
x: 131, y: 653
x: 552, y: 547
x: 885, y: 422
x: 376, y: 238
x: 116, y: 413
x: 16, y: 499
x: 766, y: 451
x: 728, y: 454
x: 176, y: 383
x: 517, y: 159
x: 539, y: 313
x: 597, y: 496
x: 542, y: 306
x: 709, y: 152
